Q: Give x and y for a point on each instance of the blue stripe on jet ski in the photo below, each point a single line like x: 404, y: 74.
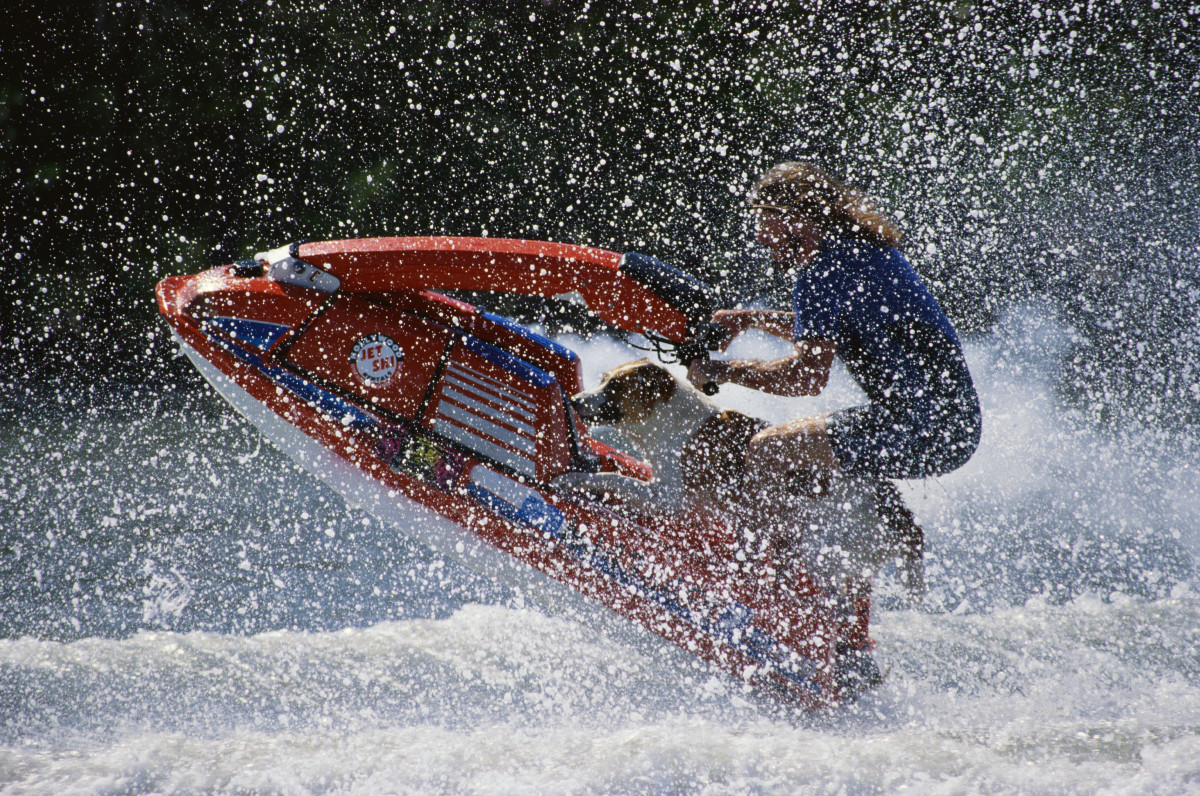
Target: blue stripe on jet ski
x: 308, y: 392
x: 533, y: 337
x: 257, y: 333
x: 518, y: 367
x: 496, y: 504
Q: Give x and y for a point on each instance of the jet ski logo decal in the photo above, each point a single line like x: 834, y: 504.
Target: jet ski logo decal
x: 377, y: 359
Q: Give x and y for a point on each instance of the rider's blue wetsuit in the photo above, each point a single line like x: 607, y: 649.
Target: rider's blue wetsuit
x: 923, y: 417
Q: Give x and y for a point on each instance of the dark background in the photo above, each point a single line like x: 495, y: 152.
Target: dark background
x: 1041, y: 154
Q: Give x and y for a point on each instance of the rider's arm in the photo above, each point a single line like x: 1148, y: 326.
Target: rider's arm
x: 806, y: 372
x: 773, y: 322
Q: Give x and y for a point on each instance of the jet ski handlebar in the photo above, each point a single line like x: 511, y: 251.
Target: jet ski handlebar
x: 691, y: 297
x: 710, y: 340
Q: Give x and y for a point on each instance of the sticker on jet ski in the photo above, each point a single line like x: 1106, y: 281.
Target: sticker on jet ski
x: 420, y: 457
x: 377, y: 358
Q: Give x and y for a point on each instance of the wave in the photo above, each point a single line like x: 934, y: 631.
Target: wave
x: 492, y: 699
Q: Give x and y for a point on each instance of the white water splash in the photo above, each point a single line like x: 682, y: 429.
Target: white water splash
x: 166, y: 595
x: 1005, y: 683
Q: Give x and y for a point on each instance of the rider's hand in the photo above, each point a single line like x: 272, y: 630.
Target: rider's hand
x: 734, y: 322
x: 705, y: 371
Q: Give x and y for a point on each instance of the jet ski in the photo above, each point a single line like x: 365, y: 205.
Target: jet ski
x: 450, y: 423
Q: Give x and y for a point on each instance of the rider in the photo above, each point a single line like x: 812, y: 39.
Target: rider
x: 856, y: 297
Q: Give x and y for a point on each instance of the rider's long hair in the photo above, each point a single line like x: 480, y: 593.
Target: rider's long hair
x: 834, y: 207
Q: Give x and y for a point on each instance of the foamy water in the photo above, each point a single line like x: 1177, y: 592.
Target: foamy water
x: 1081, y: 698
x: 184, y: 612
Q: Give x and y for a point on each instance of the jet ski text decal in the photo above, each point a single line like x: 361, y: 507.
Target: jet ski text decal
x: 377, y: 359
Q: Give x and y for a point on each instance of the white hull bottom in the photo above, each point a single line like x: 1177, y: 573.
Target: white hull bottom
x: 428, y: 527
